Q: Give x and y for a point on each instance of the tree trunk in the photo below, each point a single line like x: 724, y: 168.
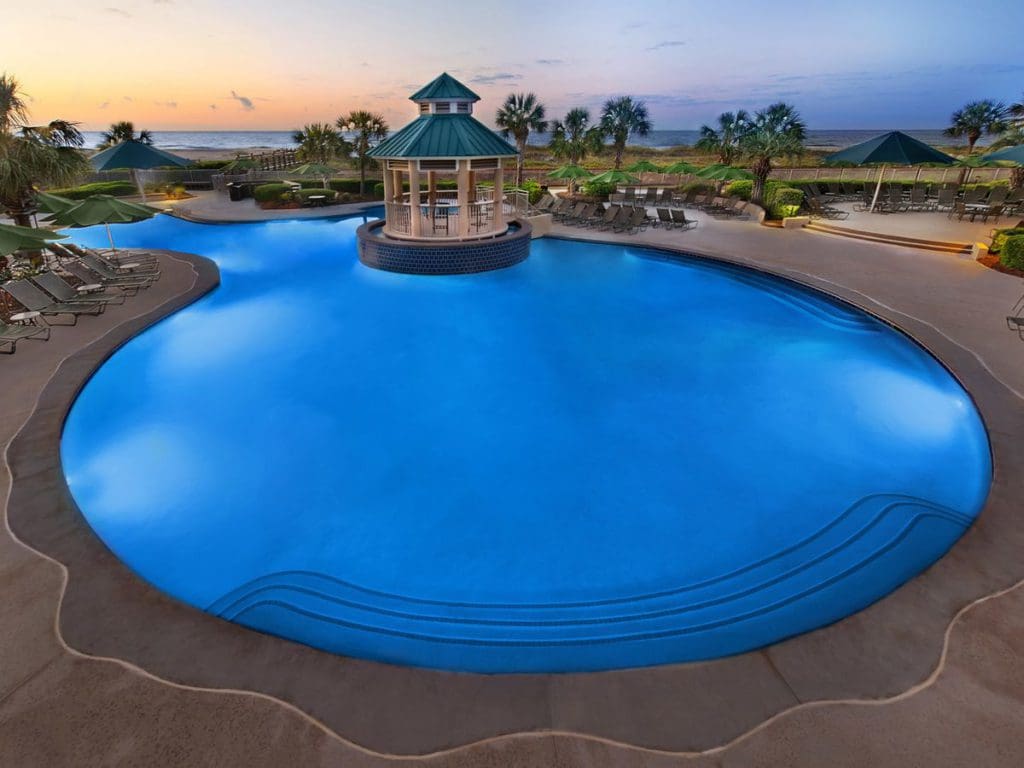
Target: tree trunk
x: 619, y: 149
x: 362, y: 176
x: 521, y: 146
x: 972, y: 139
x: 762, y: 167
x: 1017, y: 177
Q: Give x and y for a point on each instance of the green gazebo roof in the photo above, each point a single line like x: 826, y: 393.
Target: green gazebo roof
x: 444, y: 87
x: 436, y: 136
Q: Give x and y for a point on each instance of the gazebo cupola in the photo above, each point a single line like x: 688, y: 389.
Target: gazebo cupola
x: 444, y: 142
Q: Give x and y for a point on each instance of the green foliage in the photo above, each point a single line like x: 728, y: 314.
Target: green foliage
x: 782, y: 201
x: 208, y: 165
x: 1012, y: 254
x: 741, y: 188
x: 270, y: 193
x: 1000, y: 236
x: 114, y: 188
x: 599, y: 190
x: 352, y: 186
x: 532, y: 187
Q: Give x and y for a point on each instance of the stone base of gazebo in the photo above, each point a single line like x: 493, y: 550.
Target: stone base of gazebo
x: 448, y: 257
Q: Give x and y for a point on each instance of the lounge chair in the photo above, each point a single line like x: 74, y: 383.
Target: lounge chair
x: 111, y: 257
x: 54, y: 285
x: 10, y: 335
x: 128, y: 284
x: 665, y: 218
x: 635, y: 222
x: 130, y: 270
x: 651, y: 197
x: 582, y: 217
x: 665, y: 198
x: 622, y: 215
x: 819, y: 209
x: 34, y: 300
x: 606, y: 217
x: 946, y: 199
x: 545, y: 202
x: 680, y: 220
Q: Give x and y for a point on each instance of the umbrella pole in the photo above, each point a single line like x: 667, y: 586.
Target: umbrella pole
x: 138, y: 184
x: 110, y: 237
x: 878, y: 188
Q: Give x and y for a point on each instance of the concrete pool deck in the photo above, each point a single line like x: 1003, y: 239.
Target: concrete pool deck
x: 930, y: 675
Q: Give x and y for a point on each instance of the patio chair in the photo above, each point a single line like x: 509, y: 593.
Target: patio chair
x: 34, y: 300
x: 998, y: 195
x: 665, y: 218
x: 946, y: 199
x: 622, y: 215
x: 583, y: 216
x: 834, y: 188
x: 680, y: 220
x: 1015, y: 201
x: 991, y: 211
x: 606, y: 216
x: 128, y: 284
x: 867, y: 195
x: 919, y: 198
x: 850, y: 190
x: 617, y: 198
x: 630, y: 195
x: 636, y: 221
x: 976, y: 195
x: 651, y: 197
x: 57, y: 287
x: 10, y: 335
x: 666, y: 197
x: 545, y: 202
x: 895, y: 202
x: 820, y: 210
x: 113, y: 257
x: 106, y: 270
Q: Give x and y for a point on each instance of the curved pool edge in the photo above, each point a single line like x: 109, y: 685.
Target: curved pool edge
x: 182, y: 644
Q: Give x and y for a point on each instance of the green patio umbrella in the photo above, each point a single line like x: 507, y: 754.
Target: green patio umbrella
x: 49, y: 203
x: 614, y: 177
x: 719, y: 172
x: 241, y: 164
x: 14, y: 238
x: 645, y: 166
x: 893, y: 148
x: 103, y: 209
x: 135, y: 155
x: 570, y: 173
x: 313, y: 169
x: 680, y: 167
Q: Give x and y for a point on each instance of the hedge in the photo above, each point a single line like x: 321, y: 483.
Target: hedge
x: 306, y: 193
x: 115, y: 188
x: 270, y: 193
x: 783, y: 201
x: 1012, y: 254
x: 352, y: 185
x: 446, y: 184
x: 999, y: 238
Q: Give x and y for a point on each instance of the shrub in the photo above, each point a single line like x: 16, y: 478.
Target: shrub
x: 208, y: 165
x: 742, y: 189
x: 782, y: 201
x: 999, y: 238
x: 533, y: 190
x: 1012, y: 254
x: 270, y: 193
x: 598, y: 189
x: 352, y: 185
x: 115, y: 188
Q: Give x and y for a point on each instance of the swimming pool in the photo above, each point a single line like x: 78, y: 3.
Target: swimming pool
x: 600, y: 458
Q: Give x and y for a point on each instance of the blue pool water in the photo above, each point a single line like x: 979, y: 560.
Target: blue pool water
x: 599, y: 458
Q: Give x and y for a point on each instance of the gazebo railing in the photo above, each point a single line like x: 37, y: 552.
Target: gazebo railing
x: 440, y: 221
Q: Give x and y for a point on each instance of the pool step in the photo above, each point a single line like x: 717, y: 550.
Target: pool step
x: 939, y: 246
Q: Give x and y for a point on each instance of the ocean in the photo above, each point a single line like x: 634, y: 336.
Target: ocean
x: 228, y: 140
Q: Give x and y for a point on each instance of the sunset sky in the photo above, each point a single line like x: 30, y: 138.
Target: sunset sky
x: 271, y: 64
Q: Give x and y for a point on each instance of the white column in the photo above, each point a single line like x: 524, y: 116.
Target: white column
x: 416, y: 229
x: 499, y: 197
x: 463, y: 198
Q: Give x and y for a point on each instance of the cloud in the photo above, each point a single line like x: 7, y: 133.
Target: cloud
x: 213, y: 107
x: 245, y: 101
x: 170, y: 104
x: 550, y: 62
x: 666, y: 44
x: 118, y: 12
x: 129, y: 99
x: 497, y: 77
x: 104, y: 105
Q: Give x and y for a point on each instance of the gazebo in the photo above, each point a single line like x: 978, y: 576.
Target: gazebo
x: 441, y: 231
x: 444, y: 141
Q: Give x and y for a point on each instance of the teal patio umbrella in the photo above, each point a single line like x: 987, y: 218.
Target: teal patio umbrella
x: 614, y: 177
x: 105, y: 210
x: 135, y: 155
x: 893, y: 148
x: 14, y: 238
x: 1007, y: 155
x: 240, y: 164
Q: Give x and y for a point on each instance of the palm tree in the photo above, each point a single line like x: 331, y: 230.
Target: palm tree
x: 977, y: 118
x: 123, y: 131
x: 520, y: 114
x: 621, y: 118
x: 368, y: 128
x: 724, y: 142
x: 33, y: 155
x: 319, y: 143
x: 574, y: 138
x: 1017, y: 111
x: 775, y: 131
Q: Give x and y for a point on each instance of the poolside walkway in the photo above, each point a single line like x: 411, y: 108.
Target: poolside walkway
x: 932, y: 675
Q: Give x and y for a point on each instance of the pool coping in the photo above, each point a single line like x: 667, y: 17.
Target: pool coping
x: 107, y: 611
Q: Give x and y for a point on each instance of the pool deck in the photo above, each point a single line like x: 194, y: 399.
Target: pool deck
x: 97, y: 668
